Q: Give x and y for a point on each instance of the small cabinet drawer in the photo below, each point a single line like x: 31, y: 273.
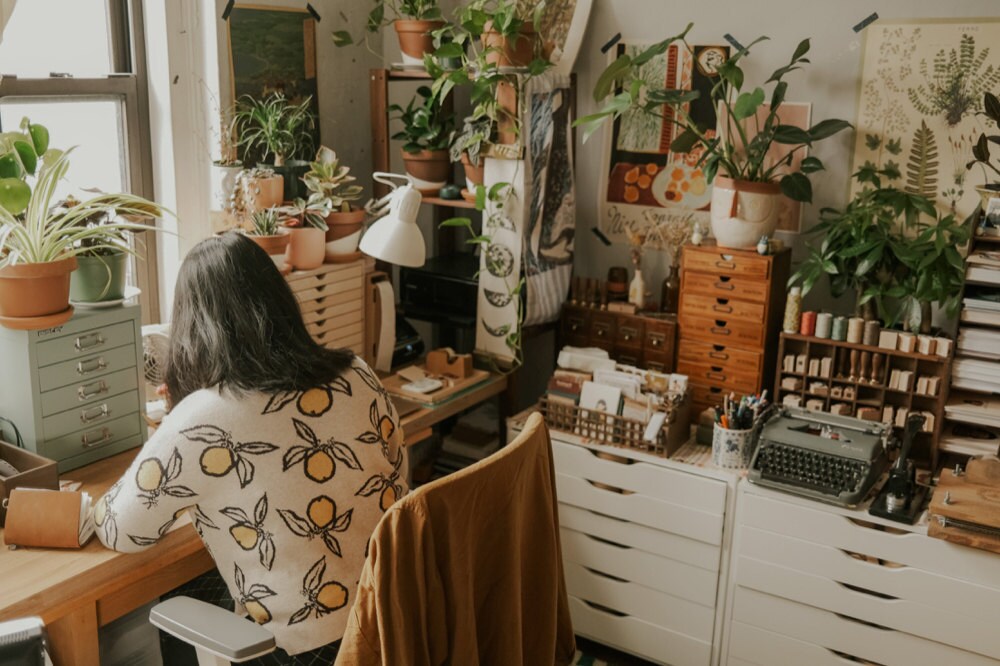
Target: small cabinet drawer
x: 722, y: 331
x: 627, y: 355
x: 87, y: 368
x: 90, y: 416
x: 576, y: 326
x: 630, y: 332
x: 84, y: 343
x: 729, y: 376
x: 707, y: 395
x: 309, y: 285
x: 701, y: 352
x: 723, y: 261
x: 719, y: 306
x: 726, y: 286
x: 90, y: 438
x: 89, y: 391
x: 602, y: 330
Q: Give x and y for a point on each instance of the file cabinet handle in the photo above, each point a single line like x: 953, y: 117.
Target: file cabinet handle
x: 718, y: 330
x: 717, y: 376
x: 95, y: 413
x: 88, y: 391
x: 95, y: 437
x: 91, y: 365
x: 89, y: 341
x: 725, y: 309
x: 719, y: 355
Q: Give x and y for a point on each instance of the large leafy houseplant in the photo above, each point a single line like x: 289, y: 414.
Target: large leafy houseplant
x: 276, y: 129
x: 414, y: 21
x: 425, y: 133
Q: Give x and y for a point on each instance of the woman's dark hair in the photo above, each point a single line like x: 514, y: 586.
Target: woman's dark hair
x: 236, y: 324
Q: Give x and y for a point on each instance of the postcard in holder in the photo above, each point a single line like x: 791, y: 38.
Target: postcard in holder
x: 48, y: 518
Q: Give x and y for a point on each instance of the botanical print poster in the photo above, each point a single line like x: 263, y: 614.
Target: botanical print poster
x: 563, y: 24
x: 921, y: 91
x: 644, y: 184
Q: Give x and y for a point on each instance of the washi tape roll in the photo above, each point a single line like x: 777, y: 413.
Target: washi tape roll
x: 839, y: 331
x: 824, y: 324
x: 808, y: 326
x: 872, y: 329
x: 855, y: 330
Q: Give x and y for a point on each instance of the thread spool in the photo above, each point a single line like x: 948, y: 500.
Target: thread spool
x: 793, y: 311
x: 855, y: 330
x: 839, y: 331
x: 808, y: 326
x: 824, y: 324
x: 870, y: 336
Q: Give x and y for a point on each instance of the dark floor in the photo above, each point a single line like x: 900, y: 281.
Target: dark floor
x: 613, y: 657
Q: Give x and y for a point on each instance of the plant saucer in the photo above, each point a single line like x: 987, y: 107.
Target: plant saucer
x: 343, y: 258
x: 130, y: 293
x: 37, y: 323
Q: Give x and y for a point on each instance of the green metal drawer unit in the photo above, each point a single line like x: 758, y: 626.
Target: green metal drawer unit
x: 75, y: 391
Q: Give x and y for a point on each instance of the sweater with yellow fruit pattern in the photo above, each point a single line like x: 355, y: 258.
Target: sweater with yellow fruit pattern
x: 285, y: 491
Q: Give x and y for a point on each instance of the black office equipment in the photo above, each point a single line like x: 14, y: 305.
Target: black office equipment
x: 902, y: 499
x: 445, y: 290
x: 826, y: 457
x: 22, y: 642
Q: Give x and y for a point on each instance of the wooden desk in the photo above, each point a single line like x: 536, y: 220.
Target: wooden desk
x: 76, y: 592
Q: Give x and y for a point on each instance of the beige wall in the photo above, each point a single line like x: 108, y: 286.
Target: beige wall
x: 830, y: 84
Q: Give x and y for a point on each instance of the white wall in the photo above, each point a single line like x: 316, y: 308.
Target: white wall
x: 830, y: 83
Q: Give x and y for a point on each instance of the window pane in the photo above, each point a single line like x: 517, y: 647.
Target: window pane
x: 66, y: 36
x: 92, y: 124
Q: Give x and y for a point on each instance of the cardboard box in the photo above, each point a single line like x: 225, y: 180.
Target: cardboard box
x: 34, y: 471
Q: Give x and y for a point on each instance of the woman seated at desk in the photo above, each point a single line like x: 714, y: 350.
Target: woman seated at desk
x: 285, y: 454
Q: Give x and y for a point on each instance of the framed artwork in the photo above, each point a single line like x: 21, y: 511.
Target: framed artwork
x: 563, y: 25
x: 922, y: 89
x: 273, y: 49
x: 643, y: 184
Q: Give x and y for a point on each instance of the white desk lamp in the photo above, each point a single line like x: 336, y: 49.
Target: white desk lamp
x: 395, y: 237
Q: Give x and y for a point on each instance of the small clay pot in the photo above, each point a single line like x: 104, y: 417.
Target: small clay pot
x: 474, y: 175
x: 275, y: 246
x: 35, y: 290
x: 431, y: 169
x: 306, y: 248
x: 415, y: 39
x: 266, y: 192
x: 510, y: 51
x: 344, y: 223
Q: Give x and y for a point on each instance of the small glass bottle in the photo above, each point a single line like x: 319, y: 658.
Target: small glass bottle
x: 670, y: 293
x: 793, y: 311
x: 637, y: 290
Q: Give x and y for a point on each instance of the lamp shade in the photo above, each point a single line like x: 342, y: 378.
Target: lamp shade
x: 396, y: 238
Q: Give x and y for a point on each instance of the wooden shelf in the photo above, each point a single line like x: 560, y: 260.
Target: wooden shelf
x: 449, y: 203
x: 933, y: 358
x: 408, y: 74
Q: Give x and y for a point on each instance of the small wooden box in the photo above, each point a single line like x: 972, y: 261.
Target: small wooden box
x: 34, y: 470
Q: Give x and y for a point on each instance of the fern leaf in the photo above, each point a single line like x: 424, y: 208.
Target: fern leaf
x: 922, y: 167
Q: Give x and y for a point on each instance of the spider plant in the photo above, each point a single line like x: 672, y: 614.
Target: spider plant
x: 265, y: 222
x: 44, y: 233
x: 274, y: 126
x: 311, y: 212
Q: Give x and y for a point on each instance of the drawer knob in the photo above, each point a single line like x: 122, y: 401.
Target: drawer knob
x: 656, y: 341
x: 95, y: 413
x: 95, y: 437
x: 91, y: 365
x: 86, y: 342
x: 89, y: 391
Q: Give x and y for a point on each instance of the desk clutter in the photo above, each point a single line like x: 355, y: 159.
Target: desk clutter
x: 443, y: 375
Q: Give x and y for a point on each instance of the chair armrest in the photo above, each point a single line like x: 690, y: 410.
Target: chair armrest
x: 212, y: 629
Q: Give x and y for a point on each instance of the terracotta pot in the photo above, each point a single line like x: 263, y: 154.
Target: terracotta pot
x: 415, y: 39
x: 504, y: 51
x: 743, y: 211
x: 275, y: 246
x: 474, y: 175
x: 306, y: 248
x: 507, y: 113
x: 430, y: 169
x: 266, y: 192
x: 35, y: 290
x: 338, y: 219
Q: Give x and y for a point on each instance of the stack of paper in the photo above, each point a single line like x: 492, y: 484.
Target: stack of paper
x: 970, y: 440
x: 976, y: 375
x: 981, y: 342
x: 974, y: 408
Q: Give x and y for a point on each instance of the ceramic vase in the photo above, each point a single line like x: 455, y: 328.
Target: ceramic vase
x: 430, y: 170
x: 306, y: 248
x: 743, y: 211
x: 98, y: 278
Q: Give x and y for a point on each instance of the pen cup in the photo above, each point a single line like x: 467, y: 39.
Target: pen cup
x: 731, y: 448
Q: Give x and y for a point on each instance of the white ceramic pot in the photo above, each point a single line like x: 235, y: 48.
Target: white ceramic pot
x: 345, y: 245
x: 223, y: 179
x: 743, y: 211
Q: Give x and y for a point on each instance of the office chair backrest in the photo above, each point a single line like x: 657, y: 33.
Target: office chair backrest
x: 468, y: 569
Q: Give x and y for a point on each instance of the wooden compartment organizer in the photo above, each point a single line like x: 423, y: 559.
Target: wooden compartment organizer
x: 857, y: 392
x: 331, y: 299
x: 645, y: 340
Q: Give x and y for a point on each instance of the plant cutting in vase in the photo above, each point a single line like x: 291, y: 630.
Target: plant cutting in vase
x: 467, y: 146
x: 745, y: 179
x: 414, y: 21
x: 306, y: 221
x: 280, y: 129
x: 267, y: 232
x: 425, y: 133
x: 40, y: 242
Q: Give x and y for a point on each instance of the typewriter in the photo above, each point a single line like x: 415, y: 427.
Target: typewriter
x: 826, y: 457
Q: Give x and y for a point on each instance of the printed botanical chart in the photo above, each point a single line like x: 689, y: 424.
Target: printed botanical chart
x: 563, y: 24
x: 643, y: 184
x: 921, y: 91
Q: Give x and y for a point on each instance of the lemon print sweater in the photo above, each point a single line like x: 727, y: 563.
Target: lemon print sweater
x: 285, y: 491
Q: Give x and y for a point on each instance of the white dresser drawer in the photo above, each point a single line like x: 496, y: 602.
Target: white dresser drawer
x: 763, y: 626
x: 638, y: 637
x: 657, y: 608
x: 634, y: 535
x: 681, y: 488
x: 637, y: 566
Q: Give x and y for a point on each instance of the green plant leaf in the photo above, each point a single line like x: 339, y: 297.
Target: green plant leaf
x: 778, y: 95
x: 39, y: 138
x: 341, y: 38
x: 811, y: 165
x: 801, y: 49
x: 9, y: 166
x: 450, y: 50
x: 827, y: 128
x: 671, y: 97
x: 15, y: 195
x: 797, y: 187
x: 685, y: 142
x: 730, y: 72
x: 791, y: 135
x: 748, y: 103
x: 25, y: 151
x: 610, y: 76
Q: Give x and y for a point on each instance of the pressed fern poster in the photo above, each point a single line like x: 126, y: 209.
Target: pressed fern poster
x: 920, y: 106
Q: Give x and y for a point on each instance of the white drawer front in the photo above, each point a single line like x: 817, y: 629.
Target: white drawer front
x: 971, y: 633
x: 657, y: 608
x: 750, y: 646
x: 828, y: 632
x: 637, y: 566
x: 676, y: 487
x: 638, y: 637
x: 945, y: 594
x: 640, y: 508
x: 695, y: 553
x: 825, y: 526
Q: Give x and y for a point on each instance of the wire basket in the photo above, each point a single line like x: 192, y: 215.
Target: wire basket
x: 604, y: 428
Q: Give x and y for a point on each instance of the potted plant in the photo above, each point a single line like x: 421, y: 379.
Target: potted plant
x: 277, y: 128
x: 327, y: 178
x: 745, y: 181
x: 225, y: 172
x: 981, y: 151
x: 256, y: 189
x: 414, y: 21
x: 267, y: 232
x: 306, y: 221
x: 426, y: 131
x: 508, y: 29
x: 102, y: 264
x: 467, y: 147
x: 40, y: 242
x: 863, y: 244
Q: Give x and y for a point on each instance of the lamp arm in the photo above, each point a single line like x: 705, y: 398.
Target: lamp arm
x: 377, y: 208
